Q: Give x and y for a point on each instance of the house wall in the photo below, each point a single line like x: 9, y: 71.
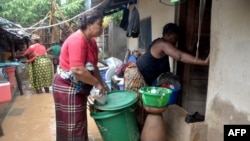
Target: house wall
x: 117, y: 42
x: 228, y: 88
x: 160, y: 15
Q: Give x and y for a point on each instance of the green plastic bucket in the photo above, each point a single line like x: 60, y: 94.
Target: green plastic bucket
x: 155, y: 96
x: 116, y: 121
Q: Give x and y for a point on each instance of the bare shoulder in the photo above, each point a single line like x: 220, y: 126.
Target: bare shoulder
x: 159, y: 48
x: 162, y: 45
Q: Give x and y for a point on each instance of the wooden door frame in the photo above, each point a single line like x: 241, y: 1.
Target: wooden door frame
x: 186, y: 18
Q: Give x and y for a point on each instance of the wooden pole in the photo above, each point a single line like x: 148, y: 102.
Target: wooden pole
x: 17, y: 77
x: 52, y: 21
x: 62, y: 16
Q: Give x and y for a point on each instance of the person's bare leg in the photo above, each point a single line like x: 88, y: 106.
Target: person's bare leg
x: 46, y: 90
x: 39, y: 91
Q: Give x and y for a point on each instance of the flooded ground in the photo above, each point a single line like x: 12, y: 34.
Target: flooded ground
x: 32, y: 118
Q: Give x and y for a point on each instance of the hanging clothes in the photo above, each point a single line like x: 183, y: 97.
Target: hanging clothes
x: 134, y: 24
x: 132, y: 1
x: 125, y: 20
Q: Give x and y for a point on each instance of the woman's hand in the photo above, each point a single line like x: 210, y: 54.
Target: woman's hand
x: 207, y: 60
x: 101, y: 88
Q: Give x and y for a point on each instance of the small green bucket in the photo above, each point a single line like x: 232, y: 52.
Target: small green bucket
x: 155, y: 96
x: 116, y: 121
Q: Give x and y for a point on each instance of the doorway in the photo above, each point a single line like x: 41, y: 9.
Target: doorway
x: 194, y: 78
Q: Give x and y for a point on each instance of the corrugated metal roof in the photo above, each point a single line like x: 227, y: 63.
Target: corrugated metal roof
x: 13, y: 28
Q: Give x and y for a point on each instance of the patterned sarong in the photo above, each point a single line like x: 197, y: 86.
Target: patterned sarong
x: 70, y: 107
x: 41, y: 72
x: 133, y: 80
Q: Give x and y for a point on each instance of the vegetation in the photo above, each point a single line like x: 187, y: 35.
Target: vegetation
x: 29, y: 12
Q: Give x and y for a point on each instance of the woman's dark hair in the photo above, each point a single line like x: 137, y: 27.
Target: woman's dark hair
x: 170, y: 28
x: 89, y: 17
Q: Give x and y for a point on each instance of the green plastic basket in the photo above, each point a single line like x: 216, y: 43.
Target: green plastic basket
x: 155, y: 96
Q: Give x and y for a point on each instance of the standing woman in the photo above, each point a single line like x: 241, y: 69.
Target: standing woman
x: 154, y: 62
x: 40, y: 66
x: 74, y: 79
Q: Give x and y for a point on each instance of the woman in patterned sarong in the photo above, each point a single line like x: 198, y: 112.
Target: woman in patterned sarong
x: 40, y: 66
x: 154, y: 62
x: 133, y: 80
x: 76, y: 75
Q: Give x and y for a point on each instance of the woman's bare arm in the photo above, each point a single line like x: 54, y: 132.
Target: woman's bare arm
x: 184, y: 57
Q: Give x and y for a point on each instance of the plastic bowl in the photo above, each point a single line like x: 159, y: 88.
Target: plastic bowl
x: 155, y: 96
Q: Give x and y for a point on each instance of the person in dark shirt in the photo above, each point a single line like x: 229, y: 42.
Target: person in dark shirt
x: 55, y: 50
x: 154, y: 62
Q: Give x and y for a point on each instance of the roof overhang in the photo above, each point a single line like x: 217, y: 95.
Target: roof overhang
x: 13, y: 29
x: 109, y: 6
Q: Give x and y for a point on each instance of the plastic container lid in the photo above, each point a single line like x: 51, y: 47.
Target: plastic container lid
x: 110, y: 72
x: 103, y: 68
x: 116, y: 100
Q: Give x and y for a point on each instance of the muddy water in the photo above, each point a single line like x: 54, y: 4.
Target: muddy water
x: 31, y: 118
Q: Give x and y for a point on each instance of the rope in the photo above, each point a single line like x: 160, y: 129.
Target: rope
x: 201, y: 13
x: 46, y: 17
x: 42, y: 27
